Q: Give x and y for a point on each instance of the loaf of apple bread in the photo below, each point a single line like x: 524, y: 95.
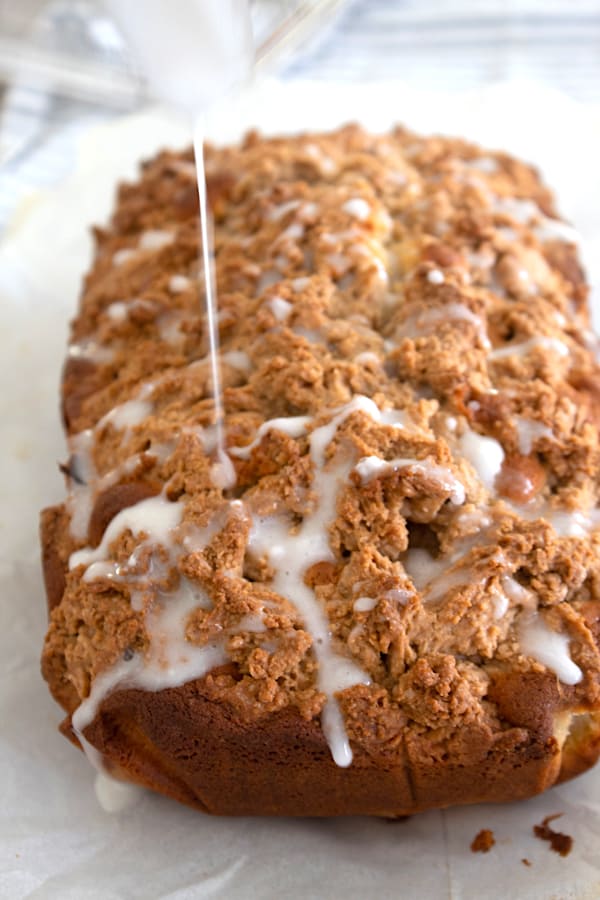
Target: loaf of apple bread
x: 383, y: 594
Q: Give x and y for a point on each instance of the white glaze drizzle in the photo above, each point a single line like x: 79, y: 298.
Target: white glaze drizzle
x: 309, y: 334
x: 118, y: 311
x: 292, y: 554
x: 115, y: 796
x: 294, y: 426
x: 481, y: 259
x: 545, y: 228
x: 308, y: 210
x: 367, y: 358
x: 121, y: 309
x: 434, y: 578
x: 484, y: 453
x: 327, y: 164
x: 123, y: 256
x: 569, y: 524
x: 252, y: 623
x: 522, y: 211
x: 529, y: 432
x: 422, y: 567
x: 237, y: 359
x: 397, y: 595
x: 455, y: 577
x: 486, y: 164
x: 396, y: 177
x: 152, y: 239
x: 169, y: 327
x: 298, y: 284
x: 151, y: 673
x: 88, y: 348
x: 267, y: 280
x: 170, y: 660
x: 155, y: 239
x: 382, y: 272
x: 550, y: 648
x: 179, y: 283
x: 278, y: 212
x: 349, y: 236
x: 358, y: 208
x: 85, y: 483
x: 280, y: 308
x: 507, y: 235
x: 436, y: 276
x: 371, y: 467
x: 424, y: 322
x: 365, y: 604
x: 222, y: 471
x: 500, y: 604
x: 155, y: 516
x: 566, y: 523
x: 555, y: 230
x: 293, y: 232
x: 522, y: 349
x: 80, y: 500
x: 127, y: 415
x: 338, y: 263
x: 516, y: 592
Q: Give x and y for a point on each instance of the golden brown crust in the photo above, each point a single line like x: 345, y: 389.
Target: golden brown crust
x: 192, y: 747
x: 434, y: 282
x: 53, y: 523
x: 112, y: 500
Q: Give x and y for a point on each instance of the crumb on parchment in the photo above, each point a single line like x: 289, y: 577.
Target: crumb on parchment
x: 483, y: 841
x: 559, y: 842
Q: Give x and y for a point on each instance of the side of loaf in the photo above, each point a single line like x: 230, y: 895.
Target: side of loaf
x: 386, y: 596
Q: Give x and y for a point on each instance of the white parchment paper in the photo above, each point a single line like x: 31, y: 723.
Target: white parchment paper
x: 55, y: 841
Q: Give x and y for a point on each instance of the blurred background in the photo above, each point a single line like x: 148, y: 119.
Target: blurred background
x: 65, y: 64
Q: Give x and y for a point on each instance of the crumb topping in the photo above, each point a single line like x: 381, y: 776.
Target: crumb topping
x: 410, y: 390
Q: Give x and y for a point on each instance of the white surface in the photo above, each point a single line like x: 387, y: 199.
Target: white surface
x: 55, y: 840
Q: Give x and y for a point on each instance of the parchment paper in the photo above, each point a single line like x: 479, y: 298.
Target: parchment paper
x: 55, y: 840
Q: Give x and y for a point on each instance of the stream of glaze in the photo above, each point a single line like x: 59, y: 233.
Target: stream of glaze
x: 223, y: 472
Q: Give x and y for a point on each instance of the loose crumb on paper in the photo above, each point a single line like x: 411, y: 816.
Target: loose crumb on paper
x: 483, y: 841
x: 559, y: 842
